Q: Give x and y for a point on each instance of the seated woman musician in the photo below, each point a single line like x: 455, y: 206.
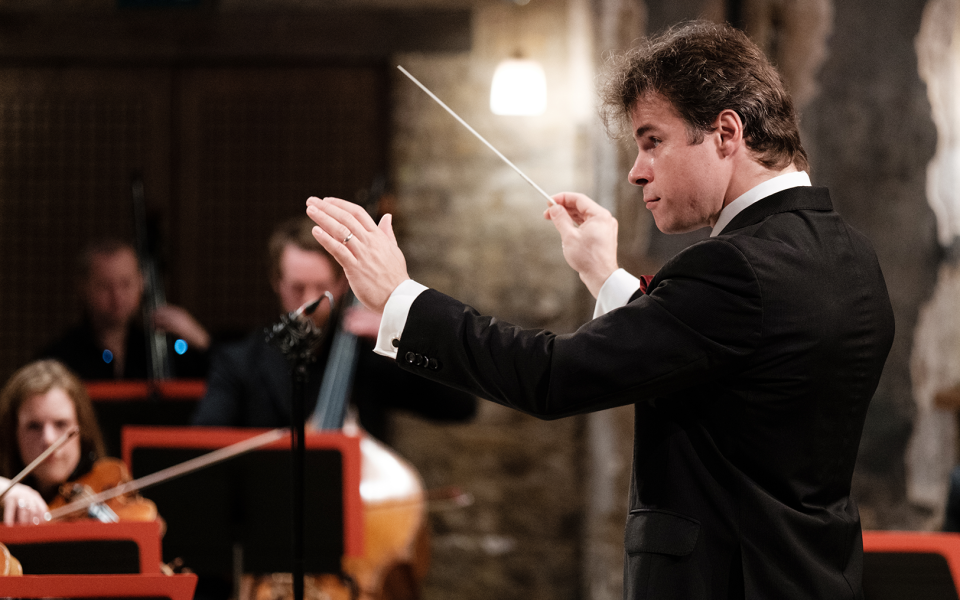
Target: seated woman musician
x: 38, y: 404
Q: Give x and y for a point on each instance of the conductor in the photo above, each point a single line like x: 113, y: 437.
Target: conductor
x: 750, y: 357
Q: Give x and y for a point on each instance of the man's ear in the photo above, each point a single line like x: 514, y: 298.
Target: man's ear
x: 730, y: 127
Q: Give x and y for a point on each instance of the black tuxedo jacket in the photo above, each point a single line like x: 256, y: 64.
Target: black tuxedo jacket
x: 750, y: 360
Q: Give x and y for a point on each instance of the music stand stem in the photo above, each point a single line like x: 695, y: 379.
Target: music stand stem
x: 298, y: 453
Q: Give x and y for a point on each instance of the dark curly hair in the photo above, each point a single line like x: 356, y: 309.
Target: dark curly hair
x: 703, y: 68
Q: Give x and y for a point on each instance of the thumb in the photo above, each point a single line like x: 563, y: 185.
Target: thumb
x: 561, y: 220
x: 386, y: 226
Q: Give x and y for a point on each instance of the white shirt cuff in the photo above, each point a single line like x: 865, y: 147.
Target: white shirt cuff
x: 395, y: 316
x: 615, y: 292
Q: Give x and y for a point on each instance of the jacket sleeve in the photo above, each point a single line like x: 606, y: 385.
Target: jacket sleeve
x: 702, y: 312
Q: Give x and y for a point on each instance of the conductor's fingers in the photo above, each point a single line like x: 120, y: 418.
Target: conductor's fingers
x: 576, y: 205
x: 338, y: 224
x: 386, y: 226
x: 337, y: 249
x: 562, y: 221
x: 358, y: 213
x: 340, y: 220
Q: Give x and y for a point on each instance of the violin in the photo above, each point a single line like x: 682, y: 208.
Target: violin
x: 107, y: 473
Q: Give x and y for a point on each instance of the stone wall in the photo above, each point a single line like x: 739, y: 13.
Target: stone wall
x: 472, y: 228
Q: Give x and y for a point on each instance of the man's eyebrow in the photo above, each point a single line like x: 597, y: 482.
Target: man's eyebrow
x: 643, y: 130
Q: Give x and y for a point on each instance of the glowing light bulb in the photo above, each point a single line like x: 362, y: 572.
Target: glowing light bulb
x: 519, y: 88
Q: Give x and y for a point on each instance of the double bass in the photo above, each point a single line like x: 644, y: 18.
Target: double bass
x: 9, y: 565
x: 396, y: 541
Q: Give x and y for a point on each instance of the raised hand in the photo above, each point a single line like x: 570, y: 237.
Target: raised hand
x: 368, y: 253
x: 588, y: 234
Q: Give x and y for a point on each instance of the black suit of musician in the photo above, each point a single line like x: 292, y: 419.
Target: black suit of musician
x: 750, y: 358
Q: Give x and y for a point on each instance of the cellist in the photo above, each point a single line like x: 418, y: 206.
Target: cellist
x: 40, y: 402
x: 249, y: 381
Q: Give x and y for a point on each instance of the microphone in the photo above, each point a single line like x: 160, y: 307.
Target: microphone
x: 296, y: 333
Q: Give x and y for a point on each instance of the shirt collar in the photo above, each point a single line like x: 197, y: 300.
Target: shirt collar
x: 757, y: 193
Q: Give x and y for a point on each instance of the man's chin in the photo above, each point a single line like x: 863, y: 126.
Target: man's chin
x: 671, y: 228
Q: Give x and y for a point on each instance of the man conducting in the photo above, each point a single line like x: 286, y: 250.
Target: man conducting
x: 750, y: 357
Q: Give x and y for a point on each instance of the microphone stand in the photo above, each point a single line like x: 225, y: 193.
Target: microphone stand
x: 297, y: 338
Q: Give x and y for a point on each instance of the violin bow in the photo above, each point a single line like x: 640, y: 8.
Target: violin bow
x: 194, y: 464
x: 67, y: 436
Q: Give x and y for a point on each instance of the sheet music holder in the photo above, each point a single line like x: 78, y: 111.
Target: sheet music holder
x: 154, y: 587
x: 168, y: 403
x: 85, y: 547
x: 245, y: 502
x: 911, y: 564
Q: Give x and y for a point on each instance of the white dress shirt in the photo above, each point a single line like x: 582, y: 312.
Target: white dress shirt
x: 616, y: 290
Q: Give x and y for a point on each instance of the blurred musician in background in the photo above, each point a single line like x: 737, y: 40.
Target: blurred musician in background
x: 249, y: 383
x: 110, y: 342
x: 38, y: 404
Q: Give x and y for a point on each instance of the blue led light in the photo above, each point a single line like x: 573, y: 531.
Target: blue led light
x: 180, y: 346
x: 107, y: 356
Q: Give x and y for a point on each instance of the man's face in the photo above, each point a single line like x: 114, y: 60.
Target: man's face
x: 684, y: 184
x: 305, y: 276
x: 113, y: 289
x: 41, y: 421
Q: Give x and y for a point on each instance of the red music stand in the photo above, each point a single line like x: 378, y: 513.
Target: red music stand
x: 912, y: 564
x: 166, y: 389
x: 174, y: 587
x: 163, y: 444
x: 41, y: 548
x: 169, y: 402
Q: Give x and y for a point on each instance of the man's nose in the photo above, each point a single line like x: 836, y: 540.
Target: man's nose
x: 640, y: 174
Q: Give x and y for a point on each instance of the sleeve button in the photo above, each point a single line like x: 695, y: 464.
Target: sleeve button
x: 395, y: 342
x: 411, y: 358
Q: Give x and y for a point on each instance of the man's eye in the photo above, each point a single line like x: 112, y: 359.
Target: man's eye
x: 655, y: 141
